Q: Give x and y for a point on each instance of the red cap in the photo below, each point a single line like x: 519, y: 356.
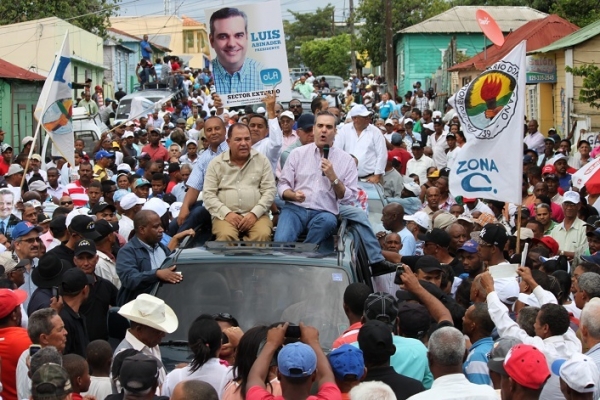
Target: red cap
x: 548, y: 169
x: 469, y: 200
x: 392, y: 156
x: 549, y: 242
x: 10, y: 299
x: 527, y: 366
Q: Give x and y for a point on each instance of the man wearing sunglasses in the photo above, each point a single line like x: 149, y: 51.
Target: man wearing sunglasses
x: 26, y: 244
x: 295, y: 106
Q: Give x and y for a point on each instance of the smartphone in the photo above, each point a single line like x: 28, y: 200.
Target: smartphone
x: 292, y: 331
x: 34, y: 348
x: 399, y: 271
x: 55, y: 292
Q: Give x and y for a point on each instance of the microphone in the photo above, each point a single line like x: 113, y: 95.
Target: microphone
x: 325, y: 154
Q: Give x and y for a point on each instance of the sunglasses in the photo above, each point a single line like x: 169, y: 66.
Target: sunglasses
x: 66, y: 203
x: 296, y: 106
x: 32, y: 240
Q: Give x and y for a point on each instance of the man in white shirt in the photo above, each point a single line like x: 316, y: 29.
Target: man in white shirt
x: 534, y: 138
x: 419, y: 164
x: 131, y: 205
x: 269, y: 146
x: 365, y: 142
x: 55, y: 189
x: 453, y: 149
x: 438, y: 144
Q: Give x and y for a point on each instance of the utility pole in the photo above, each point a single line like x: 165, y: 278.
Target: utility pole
x: 351, y: 23
x: 389, y: 47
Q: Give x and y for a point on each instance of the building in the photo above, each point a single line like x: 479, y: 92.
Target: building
x: 186, y: 37
x: 19, y: 93
x: 541, y: 70
x: 122, y: 53
x: 577, y: 49
x: 33, y: 45
x: 420, y: 48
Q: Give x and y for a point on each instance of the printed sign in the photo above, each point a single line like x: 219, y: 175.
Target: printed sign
x: 540, y: 69
x: 248, y: 53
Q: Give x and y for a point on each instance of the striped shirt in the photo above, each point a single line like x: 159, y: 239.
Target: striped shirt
x: 247, y: 79
x: 475, y: 367
x: 302, y: 171
x: 77, y: 193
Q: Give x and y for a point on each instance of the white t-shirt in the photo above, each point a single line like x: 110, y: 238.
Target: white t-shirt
x: 212, y: 372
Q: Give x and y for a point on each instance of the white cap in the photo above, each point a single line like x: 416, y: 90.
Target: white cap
x: 420, y: 218
x: 389, y: 121
x: 287, y: 114
x: 407, y: 120
x: 428, y: 126
x: 155, y: 204
x: 191, y: 141
x: 525, y: 233
x: 413, y: 187
x: 436, y: 114
x: 557, y: 157
x: 36, y: 157
x: 175, y: 208
x: 580, y: 373
x: 130, y: 200
x: 571, y: 197
x: 529, y: 299
x: 507, y: 289
x: 261, y: 110
x: 38, y: 186
x: 26, y: 139
x: 129, y: 123
x: 127, y: 134
x: 124, y: 167
x: 232, y: 113
x: 359, y: 110
x: 76, y: 212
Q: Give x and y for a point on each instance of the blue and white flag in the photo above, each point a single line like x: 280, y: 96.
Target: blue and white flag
x: 491, y: 109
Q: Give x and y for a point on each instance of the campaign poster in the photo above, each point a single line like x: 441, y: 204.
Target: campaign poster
x: 248, y: 54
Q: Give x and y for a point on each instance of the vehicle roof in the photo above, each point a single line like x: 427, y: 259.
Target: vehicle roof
x: 148, y: 93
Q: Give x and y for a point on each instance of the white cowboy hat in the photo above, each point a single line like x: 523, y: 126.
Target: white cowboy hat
x: 151, y: 311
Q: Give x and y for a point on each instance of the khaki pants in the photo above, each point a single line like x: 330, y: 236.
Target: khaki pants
x: 260, y: 232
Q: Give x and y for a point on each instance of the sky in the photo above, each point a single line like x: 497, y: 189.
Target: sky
x: 195, y: 8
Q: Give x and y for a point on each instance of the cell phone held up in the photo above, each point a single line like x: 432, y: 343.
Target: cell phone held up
x: 34, y: 348
x: 399, y: 271
x: 292, y: 332
x: 55, y: 293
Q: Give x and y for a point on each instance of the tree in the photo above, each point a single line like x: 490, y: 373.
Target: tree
x: 590, y: 92
x: 404, y: 14
x: 91, y: 15
x: 330, y: 56
x: 578, y: 12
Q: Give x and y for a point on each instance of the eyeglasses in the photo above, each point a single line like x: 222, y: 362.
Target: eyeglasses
x: 66, y: 203
x: 31, y: 240
x: 296, y: 106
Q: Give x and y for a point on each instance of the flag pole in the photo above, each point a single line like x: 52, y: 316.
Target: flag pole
x: 39, y: 124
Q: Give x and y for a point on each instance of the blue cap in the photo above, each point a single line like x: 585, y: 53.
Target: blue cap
x: 470, y: 246
x: 594, y: 258
x: 119, y: 194
x: 23, y: 228
x: 555, y: 367
x: 103, y: 154
x: 347, y: 360
x: 296, y: 360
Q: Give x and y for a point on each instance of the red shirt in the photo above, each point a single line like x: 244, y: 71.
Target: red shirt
x: 349, y: 336
x: 13, y: 342
x: 3, y: 167
x: 156, y: 153
x: 329, y: 391
x: 77, y: 193
x: 404, y: 156
x: 170, y: 186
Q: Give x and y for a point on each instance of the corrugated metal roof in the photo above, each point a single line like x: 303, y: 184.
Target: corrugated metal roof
x: 538, y: 33
x: 462, y: 19
x: 11, y: 71
x: 573, y: 39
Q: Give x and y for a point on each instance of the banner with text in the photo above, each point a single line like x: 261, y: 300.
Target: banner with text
x: 491, y: 110
x: 247, y: 48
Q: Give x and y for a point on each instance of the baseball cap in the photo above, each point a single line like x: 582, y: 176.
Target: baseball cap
x: 420, y: 218
x: 26, y: 139
x: 550, y: 138
x: 593, y: 221
x: 85, y: 246
x: 428, y: 126
x: 14, y: 169
x: 138, y: 373
x: 180, y: 121
x: 84, y: 226
x: 413, y: 187
x: 11, y: 299
x: 130, y: 200
x: 484, y: 219
x: 74, y: 280
x: 434, y: 174
x: 375, y: 340
x: 416, y: 145
x: 191, y: 141
x: 305, y: 121
x: 287, y: 114
x: 450, y: 135
x: 261, y: 110
x: 175, y: 208
x: 141, y: 182
x: 594, y: 258
x: 525, y: 234
x: 389, y: 121
x: 413, y: 319
x: 103, y: 154
x: 557, y: 157
x: 396, y: 139
x: 124, y: 167
x: 470, y: 246
x: 23, y: 228
x: 128, y: 134
x: 174, y: 167
x: 101, y: 206
x: 296, y: 360
x: 347, y: 361
x: 408, y: 121
x: 105, y: 228
x: 549, y: 242
x: 157, y: 205
x: 527, y: 159
x: 437, y: 120
x: 527, y: 366
x: 548, y: 169
x: 428, y: 264
x: 493, y: 234
x: 579, y: 372
x: 571, y: 197
x: 554, y: 177
x: 499, y: 351
x: 381, y: 306
x: 359, y: 110
x: 437, y: 236
x: 50, y: 382
x: 467, y: 200
x: 4, y: 147
x: 443, y: 220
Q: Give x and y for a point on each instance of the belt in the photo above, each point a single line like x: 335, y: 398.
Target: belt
x: 366, y: 176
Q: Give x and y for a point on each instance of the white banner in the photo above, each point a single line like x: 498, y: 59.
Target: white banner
x: 491, y: 110
x: 55, y: 104
x: 248, y: 53
x: 585, y: 173
x: 141, y: 107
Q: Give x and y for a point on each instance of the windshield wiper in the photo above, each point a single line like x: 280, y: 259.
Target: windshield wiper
x: 176, y: 343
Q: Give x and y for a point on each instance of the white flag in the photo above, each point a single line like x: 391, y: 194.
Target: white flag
x: 55, y: 106
x: 141, y: 107
x: 491, y: 110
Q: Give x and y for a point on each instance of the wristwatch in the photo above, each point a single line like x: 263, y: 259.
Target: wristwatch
x: 336, y: 182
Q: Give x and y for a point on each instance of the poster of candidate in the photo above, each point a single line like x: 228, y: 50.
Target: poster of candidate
x: 248, y: 52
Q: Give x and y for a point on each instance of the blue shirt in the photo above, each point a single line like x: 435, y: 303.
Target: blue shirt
x: 386, y: 109
x: 475, y: 367
x: 196, y: 179
x: 247, y: 79
x: 565, y: 182
x: 145, y: 46
x: 409, y: 245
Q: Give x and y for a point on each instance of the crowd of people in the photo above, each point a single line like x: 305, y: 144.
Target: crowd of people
x: 78, y: 239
